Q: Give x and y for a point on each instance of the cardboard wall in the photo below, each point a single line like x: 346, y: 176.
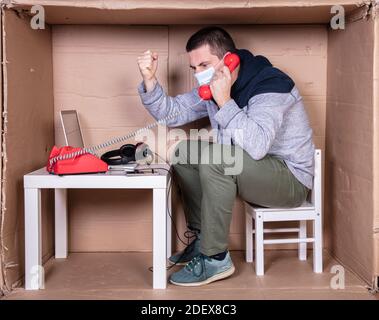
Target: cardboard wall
x: 95, y: 72
x: 2, y: 276
x: 349, y: 146
x: 28, y: 135
x: 376, y: 148
x: 188, y: 12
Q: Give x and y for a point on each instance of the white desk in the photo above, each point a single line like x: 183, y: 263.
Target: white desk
x: 41, y: 179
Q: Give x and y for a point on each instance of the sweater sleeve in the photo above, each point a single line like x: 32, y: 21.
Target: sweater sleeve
x: 189, y: 105
x: 255, y: 130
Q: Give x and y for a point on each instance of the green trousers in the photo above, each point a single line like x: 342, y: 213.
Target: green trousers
x: 209, y: 182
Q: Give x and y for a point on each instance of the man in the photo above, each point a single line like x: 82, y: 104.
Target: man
x: 276, y: 146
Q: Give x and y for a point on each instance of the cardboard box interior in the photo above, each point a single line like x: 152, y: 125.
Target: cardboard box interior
x: 85, y: 59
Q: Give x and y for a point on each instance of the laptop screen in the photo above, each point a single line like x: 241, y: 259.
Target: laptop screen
x: 71, y: 128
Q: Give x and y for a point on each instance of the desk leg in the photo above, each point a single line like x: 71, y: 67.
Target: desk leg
x: 169, y: 225
x: 60, y: 223
x: 159, y: 239
x: 34, y: 275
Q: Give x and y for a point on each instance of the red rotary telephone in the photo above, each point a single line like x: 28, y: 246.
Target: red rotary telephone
x: 231, y: 60
x: 85, y: 163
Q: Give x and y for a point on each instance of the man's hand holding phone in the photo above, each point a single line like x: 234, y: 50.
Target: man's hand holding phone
x: 221, y: 86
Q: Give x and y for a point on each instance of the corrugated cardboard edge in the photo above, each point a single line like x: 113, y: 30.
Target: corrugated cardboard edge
x: 3, y: 287
x: 40, y: 117
x: 2, y: 278
x: 174, y: 4
x: 375, y: 11
x: 348, y: 248
x: 369, y: 9
x: 190, y: 12
x: 363, y: 11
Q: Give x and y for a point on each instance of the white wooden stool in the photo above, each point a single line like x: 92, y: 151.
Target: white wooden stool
x: 311, y: 209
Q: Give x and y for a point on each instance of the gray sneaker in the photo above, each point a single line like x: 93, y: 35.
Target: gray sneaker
x: 186, y: 255
x: 203, y: 270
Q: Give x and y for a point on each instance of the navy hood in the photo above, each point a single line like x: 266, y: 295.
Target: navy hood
x: 256, y: 76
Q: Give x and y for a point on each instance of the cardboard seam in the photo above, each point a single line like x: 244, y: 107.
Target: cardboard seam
x: 362, y: 12
x: 118, y: 5
x: 2, y: 277
x: 375, y: 10
x: 374, y: 288
x: 4, y: 120
x: 371, y: 288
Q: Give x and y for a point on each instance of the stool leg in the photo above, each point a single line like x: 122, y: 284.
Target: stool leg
x: 303, y: 245
x: 317, y: 245
x: 249, y: 237
x: 259, y: 247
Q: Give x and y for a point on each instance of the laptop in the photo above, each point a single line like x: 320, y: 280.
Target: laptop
x: 71, y: 128
x: 73, y: 136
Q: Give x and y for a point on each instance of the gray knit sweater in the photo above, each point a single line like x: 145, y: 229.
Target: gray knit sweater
x: 272, y: 123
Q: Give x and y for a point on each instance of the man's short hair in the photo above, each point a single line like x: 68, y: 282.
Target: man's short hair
x: 219, y: 41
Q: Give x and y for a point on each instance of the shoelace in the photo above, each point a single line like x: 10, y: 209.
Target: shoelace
x: 200, y: 259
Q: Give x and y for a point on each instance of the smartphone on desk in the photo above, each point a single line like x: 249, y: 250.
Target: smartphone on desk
x: 143, y: 172
x: 130, y: 168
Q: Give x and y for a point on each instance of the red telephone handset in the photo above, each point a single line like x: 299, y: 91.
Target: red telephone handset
x: 231, y: 60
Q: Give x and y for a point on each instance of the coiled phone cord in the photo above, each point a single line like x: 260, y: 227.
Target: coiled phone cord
x: 108, y: 143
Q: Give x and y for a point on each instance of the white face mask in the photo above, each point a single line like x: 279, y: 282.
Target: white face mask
x: 204, y: 77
